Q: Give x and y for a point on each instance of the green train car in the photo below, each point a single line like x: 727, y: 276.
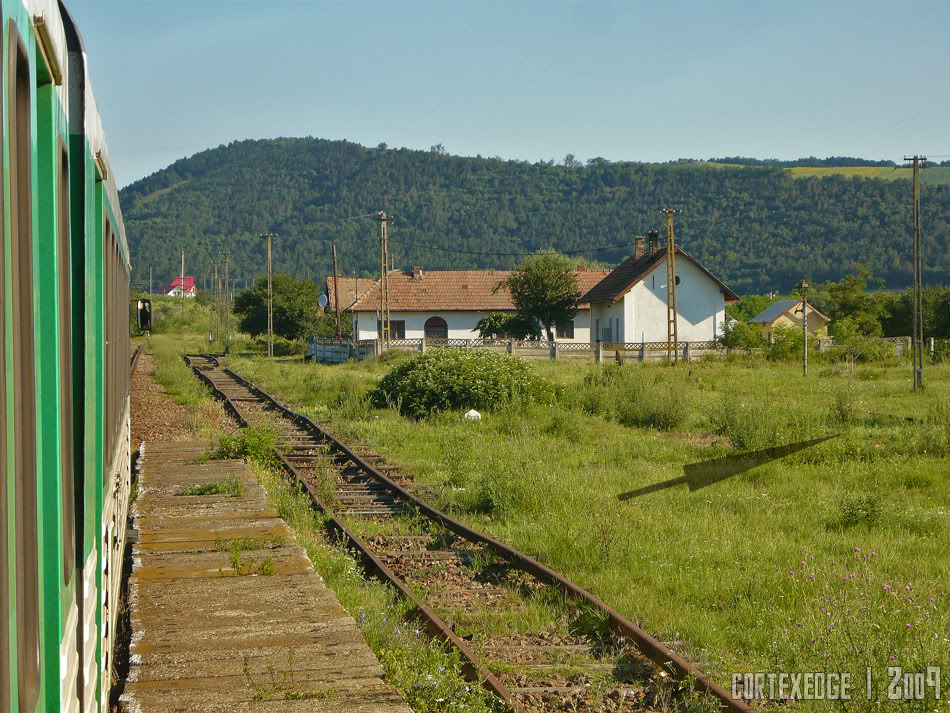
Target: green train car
x: 64, y: 373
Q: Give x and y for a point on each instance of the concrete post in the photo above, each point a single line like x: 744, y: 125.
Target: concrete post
x: 468, y: 343
x: 643, y: 351
x: 422, y: 345
x: 598, y: 352
x: 686, y: 352
x: 554, y: 350
x: 511, y: 346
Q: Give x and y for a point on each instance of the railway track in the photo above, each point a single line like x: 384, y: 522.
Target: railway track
x: 469, y: 587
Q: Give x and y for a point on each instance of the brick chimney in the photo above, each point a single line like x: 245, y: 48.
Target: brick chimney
x: 638, y: 247
x: 416, y: 273
x: 654, y: 236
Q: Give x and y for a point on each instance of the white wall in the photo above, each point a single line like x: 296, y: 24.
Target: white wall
x: 461, y: 324
x: 176, y: 292
x: 612, y: 316
x: 700, y: 305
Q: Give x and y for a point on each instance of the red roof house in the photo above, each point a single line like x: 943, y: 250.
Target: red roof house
x: 173, y: 288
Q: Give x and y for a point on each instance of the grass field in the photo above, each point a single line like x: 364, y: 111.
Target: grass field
x: 832, y: 559
x: 934, y: 175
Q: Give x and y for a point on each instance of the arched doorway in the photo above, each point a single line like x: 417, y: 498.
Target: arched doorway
x: 436, y: 328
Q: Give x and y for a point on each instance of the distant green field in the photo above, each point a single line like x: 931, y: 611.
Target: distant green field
x: 935, y: 175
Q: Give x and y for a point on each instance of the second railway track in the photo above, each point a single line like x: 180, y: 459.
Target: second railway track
x: 468, y: 587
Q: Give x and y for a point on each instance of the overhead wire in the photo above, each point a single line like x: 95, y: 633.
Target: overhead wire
x: 494, y: 254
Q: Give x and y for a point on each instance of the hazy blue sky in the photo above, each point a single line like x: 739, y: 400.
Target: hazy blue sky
x: 642, y: 81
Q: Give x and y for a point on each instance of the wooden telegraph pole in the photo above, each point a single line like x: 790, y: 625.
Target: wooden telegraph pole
x: 181, y: 286
x: 227, y: 304
x: 804, y: 286
x: 917, y: 338
x: 270, y: 295
x: 672, y: 334
x: 336, y: 294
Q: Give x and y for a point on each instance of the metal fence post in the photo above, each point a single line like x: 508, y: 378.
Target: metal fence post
x: 554, y: 350
x: 598, y: 353
x: 686, y: 351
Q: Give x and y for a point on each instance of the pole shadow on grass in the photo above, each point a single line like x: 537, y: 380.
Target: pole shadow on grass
x: 708, y: 472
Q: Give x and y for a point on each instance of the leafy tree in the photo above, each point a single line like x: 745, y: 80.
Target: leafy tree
x: 849, y: 298
x: 297, y: 313
x: 853, y: 345
x: 750, y: 306
x: 740, y: 335
x: 508, y: 326
x: 570, y: 161
x: 786, y: 343
x: 544, y: 290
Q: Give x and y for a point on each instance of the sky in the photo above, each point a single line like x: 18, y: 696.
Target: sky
x: 522, y: 79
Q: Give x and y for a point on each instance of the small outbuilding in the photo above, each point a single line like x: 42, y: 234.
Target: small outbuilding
x: 788, y: 313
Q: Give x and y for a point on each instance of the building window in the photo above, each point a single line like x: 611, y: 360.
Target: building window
x: 397, y: 328
x: 436, y: 328
x: 565, y: 330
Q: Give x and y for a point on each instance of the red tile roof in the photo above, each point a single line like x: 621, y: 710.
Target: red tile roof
x: 456, y: 290
x: 633, y: 269
x: 189, y: 284
x: 350, y: 287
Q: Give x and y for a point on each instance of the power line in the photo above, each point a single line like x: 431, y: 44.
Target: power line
x: 476, y: 252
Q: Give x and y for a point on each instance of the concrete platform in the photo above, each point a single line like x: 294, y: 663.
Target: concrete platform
x: 217, y: 631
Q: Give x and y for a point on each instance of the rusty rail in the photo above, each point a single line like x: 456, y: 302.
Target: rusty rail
x: 668, y: 660
x: 472, y: 669
x: 134, y: 361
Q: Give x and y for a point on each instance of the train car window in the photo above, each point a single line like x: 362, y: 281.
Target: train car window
x: 24, y: 385
x: 67, y: 475
x: 4, y: 559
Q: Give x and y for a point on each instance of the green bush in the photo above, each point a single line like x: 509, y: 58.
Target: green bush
x: 786, y: 344
x: 289, y: 347
x: 460, y: 379
x: 740, y: 335
x: 658, y: 406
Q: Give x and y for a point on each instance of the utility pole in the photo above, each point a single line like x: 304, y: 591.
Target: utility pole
x: 227, y: 304
x: 336, y: 294
x: 181, y: 286
x: 270, y: 295
x: 672, y: 334
x: 150, y: 283
x: 214, y: 304
x: 804, y: 286
x: 917, y: 338
x: 384, y: 333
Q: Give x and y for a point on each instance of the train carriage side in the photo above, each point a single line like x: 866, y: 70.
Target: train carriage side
x: 64, y: 409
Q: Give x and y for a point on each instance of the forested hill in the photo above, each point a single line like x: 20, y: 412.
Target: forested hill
x: 759, y: 228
